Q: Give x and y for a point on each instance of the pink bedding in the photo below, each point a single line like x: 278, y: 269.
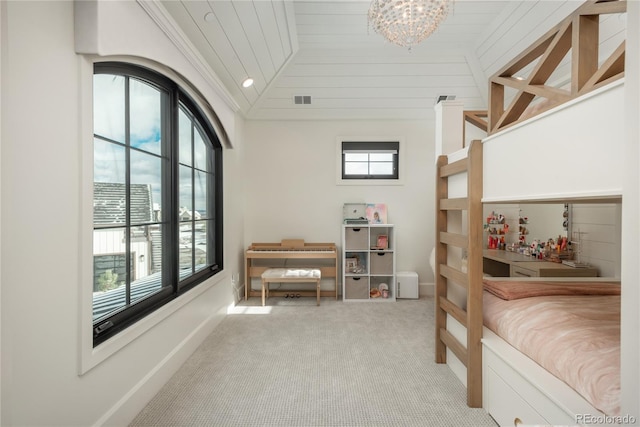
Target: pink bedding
x: 576, y: 338
x: 514, y: 290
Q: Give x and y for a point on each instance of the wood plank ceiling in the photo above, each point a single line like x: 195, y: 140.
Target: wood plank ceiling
x: 326, y: 51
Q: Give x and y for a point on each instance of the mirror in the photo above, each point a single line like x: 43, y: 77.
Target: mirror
x: 594, y: 229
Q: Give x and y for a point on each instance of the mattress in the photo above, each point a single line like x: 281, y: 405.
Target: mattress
x: 575, y: 337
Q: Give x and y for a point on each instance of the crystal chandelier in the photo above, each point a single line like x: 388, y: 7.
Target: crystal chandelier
x: 407, y: 22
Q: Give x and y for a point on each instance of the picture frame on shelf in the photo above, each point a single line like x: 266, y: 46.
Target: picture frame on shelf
x: 382, y: 242
x: 351, y: 264
x: 376, y: 213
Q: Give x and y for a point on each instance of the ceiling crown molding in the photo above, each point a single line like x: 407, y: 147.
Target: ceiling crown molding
x: 167, y: 24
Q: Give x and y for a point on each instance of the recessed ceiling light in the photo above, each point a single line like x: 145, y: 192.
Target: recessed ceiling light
x: 248, y: 82
x: 209, y: 17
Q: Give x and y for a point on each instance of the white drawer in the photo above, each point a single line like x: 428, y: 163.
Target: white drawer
x: 529, y: 392
x: 505, y: 405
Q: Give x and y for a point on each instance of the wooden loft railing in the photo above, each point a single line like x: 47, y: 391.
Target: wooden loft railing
x: 579, y: 32
x: 478, y: 118
x: 471, y: 317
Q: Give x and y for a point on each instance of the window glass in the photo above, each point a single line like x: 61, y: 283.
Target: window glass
x: 185, y: 130
x: 200, y: 244
x: 108, y: 162
x: 199, y: 151
x: 186, y: 192
x: 146, y: 185
x: 108, y: 107
x: 145, y: 105
x: 200, y: 193
x: 370, y: 160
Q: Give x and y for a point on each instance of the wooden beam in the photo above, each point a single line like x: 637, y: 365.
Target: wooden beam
x: 454, y: 275
x: 512, y: 82
x: 554, y: 54
x: 456, y: 312
x: 454, y: 345
x: 519, y: 104
x: 453, y: 168
x: 603, y: 7
x: 474, y: 275
x: 527, y: 57
x: 496, y: 105
x: 454, y: 239
x: 477, y: 118
x: 442, y: 192
x: 551, y: 93
x: 584, y: 53
x: 611, y: 69
x: 457, y: 204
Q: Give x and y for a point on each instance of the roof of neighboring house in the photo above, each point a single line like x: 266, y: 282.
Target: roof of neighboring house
x: 109, y: 203
x: 109, y: 301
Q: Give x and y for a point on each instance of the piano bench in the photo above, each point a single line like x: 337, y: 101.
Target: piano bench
x: 290, y: 275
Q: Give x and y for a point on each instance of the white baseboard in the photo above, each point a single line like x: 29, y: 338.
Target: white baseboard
x: 426, y: 289
x: 126, y: 409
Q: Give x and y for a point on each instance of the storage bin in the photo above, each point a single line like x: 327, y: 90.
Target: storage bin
x: 356, y: 238
x: 356, y: 287
x: 381, y: 262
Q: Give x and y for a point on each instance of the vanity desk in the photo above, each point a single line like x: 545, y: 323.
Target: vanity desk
x: 499, y: 263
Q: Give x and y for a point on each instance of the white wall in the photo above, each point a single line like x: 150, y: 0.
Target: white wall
x: 44, y: 248
x: 292, y: 191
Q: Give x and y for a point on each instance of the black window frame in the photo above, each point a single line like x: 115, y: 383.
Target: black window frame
x: 172, y: 285
x: 369, y: 147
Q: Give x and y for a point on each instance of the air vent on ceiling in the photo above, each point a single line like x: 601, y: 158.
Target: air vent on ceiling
x: 445, y: 98
x: 302, y: 99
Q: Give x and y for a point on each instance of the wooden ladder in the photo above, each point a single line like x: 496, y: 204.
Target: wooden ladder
x: 471, y: 317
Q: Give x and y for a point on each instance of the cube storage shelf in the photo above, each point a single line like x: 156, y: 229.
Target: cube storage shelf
x: 368, y: 262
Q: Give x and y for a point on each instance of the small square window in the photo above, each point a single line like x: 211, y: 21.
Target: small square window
x: 370, y: 160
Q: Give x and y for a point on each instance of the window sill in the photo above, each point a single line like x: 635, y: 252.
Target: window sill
x: 341, y: 181
x: 91, y: 357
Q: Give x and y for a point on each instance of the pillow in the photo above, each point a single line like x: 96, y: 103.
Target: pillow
x: 510, y: 290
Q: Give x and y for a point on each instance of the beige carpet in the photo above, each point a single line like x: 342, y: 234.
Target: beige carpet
x: 296, y: 364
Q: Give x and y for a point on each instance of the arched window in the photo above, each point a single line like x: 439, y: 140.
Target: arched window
x: 157, y: 202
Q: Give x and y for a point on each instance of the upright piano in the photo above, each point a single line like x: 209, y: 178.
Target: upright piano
x: 296, y: 253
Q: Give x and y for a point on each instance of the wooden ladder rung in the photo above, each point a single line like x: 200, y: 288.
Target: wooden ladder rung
x: 457, y: 204
x: 455, y: 275
x: 454, y: 345
x: 454, y: 239
x: 459, y: 314
x: 454, y: 168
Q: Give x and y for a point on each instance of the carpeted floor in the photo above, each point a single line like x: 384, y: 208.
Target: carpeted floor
x: 295, y: 364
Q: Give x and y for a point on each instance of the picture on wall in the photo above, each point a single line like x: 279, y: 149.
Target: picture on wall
x: 376, y: 213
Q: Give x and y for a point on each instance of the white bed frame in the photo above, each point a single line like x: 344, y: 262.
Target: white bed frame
x: 516, y: 390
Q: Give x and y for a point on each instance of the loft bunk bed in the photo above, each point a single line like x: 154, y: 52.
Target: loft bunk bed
x: 500, y: 375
